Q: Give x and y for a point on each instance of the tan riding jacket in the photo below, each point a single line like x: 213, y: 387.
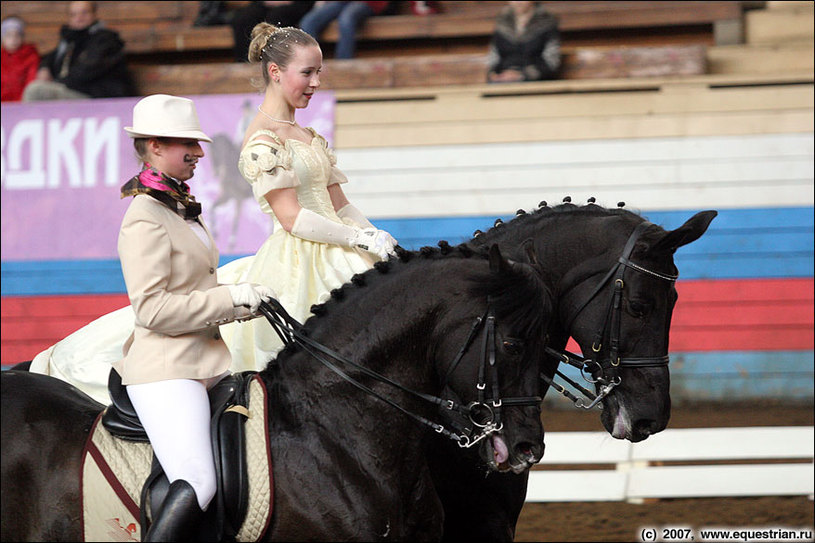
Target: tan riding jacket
x: 172, y: 283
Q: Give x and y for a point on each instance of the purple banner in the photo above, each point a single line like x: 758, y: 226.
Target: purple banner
x: 63, y: 163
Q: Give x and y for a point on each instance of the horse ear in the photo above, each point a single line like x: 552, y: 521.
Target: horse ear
x: 529, y: 249
x: 497, y: 262
x: 687, y: 233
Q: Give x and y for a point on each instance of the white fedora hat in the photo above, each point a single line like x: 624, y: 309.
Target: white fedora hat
x: 165, y: 116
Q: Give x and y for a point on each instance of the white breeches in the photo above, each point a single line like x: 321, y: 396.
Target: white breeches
x: 175, y: 415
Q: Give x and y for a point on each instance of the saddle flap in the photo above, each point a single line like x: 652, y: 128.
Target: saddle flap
x: 243, y: 506
x: 120, y: 418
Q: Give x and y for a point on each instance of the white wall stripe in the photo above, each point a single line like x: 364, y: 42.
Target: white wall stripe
x: 771, y: 170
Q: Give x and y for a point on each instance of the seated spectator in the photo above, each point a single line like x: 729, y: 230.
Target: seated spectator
x: 279, y: 14
x: 20, y: 60
x: 89, y: 61
x: 525, y: 45
x: 212, y: 14
x: 349, y: 16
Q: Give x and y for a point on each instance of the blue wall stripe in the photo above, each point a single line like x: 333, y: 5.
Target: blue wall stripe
x: 741, y: 243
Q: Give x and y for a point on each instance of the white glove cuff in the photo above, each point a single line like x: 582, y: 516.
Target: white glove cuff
x: 311, y: 226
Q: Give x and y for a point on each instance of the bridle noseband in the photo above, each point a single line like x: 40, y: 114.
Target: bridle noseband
x: 484, y: 414
x: 603, y: 371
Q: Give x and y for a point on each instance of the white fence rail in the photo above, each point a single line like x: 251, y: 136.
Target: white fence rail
x: 680, y: 463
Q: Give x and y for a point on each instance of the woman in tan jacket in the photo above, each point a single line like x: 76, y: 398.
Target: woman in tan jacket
x: 175, y: 353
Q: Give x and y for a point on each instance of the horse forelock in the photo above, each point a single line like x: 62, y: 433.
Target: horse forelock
x: 519, y: 298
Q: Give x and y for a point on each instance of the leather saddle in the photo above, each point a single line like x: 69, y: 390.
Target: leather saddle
x: 228, y: 407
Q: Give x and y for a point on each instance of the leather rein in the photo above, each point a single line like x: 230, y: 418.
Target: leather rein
x: 484, y: 414
x: 603, y: 370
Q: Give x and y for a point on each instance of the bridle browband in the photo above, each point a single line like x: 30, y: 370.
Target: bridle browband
x: 484, y: 414
x: 604, y: 370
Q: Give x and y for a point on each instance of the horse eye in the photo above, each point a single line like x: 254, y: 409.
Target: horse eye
x: 637, y: 308
x: 513, y: 346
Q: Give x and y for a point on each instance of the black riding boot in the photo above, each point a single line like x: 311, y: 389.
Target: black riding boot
x: 179, y: 515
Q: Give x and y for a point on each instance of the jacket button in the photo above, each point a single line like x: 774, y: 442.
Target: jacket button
x: 217, y: 336
x: 212, y: 270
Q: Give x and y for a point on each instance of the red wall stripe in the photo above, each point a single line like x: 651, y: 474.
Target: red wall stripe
x: 31, y: 324
x: 711, y: 315
x: 744, y: 315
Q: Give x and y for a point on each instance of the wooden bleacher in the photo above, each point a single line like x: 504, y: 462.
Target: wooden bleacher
x: 600, y: 39
x: 165, y: 28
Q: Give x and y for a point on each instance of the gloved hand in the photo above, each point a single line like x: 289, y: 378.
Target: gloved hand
x: 250, y: 295
x: 374, y: 241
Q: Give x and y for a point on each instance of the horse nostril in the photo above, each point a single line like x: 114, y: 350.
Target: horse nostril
x: 646, y: 427
x: 530, y: 452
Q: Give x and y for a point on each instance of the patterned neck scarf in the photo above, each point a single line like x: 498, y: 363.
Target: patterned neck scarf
x: 165, y: 189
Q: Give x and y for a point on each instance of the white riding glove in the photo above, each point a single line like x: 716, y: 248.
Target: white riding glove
x: 250, y: 295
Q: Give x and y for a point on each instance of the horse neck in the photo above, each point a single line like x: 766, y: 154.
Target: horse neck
x: 386, y: 326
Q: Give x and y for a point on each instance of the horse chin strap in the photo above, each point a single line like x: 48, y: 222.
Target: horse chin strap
x: 483, y: 414
x: 603, y: 371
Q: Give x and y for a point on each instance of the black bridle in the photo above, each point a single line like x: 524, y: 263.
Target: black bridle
x: 484, y: 414
x: 603, y: 370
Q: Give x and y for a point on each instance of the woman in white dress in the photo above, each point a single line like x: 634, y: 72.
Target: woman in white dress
x: 319, y: 240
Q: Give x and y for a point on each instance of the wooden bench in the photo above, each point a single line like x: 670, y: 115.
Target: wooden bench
x: 676, y: 463
x: 165, y: 28
x: 424, y: 71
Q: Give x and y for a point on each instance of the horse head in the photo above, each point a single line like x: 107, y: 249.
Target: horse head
x: 620, y: 315
x: 614, y: 294
x: 495, y: 354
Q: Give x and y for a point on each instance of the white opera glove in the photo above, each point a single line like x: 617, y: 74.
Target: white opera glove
x: 250, y: 295
x: 350, y: 213
x: 353, y: 214
x: 313, y: 227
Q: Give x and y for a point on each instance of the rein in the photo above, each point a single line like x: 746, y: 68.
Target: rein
x: 479, y: 412
x: 603, y: 371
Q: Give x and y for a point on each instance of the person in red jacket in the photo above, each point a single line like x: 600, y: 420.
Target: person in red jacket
x: 20, y: 60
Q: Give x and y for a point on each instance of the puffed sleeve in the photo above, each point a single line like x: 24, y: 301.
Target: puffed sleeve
x: 267, y: 166
x: 335, y: 176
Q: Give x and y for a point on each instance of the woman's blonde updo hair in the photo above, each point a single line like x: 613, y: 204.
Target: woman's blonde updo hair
x: 276, y: 44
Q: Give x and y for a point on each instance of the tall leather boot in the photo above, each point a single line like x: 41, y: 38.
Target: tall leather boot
x: 179, y: 515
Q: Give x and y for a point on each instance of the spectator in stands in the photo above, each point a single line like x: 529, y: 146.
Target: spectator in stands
x: 277, y: 13
x: 212, y: 14
x: 349, y: 16
x: 89, y: 61
x: 525, y: 45
x: 20, y: 60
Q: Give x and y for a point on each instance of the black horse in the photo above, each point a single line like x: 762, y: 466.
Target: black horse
x: 613, y: 274
x: 347, y: 465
